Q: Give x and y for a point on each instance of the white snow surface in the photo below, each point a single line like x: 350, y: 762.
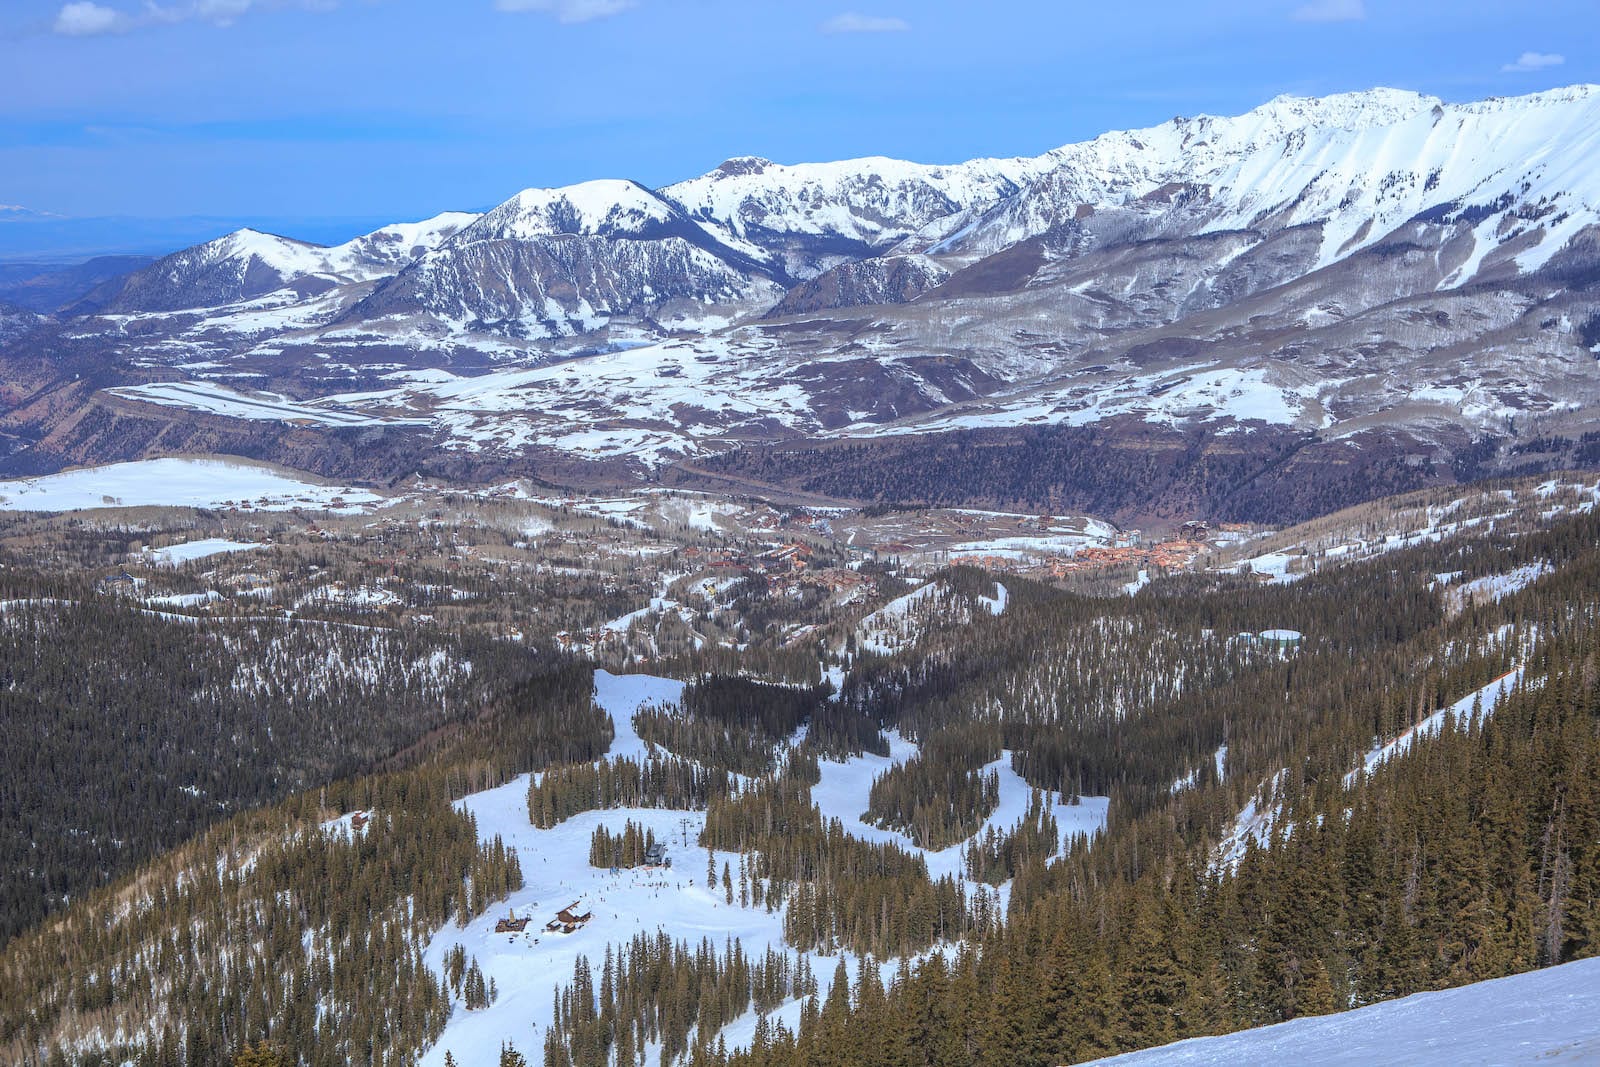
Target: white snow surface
x: 263, y: 407
x: 604, y: 206
x: 1497, y: 586
x: 174, y: 482
x: 996, y: 605
x: 844, y: 788
x: 1254, y: 823
x: 189, y: 551
x: 365, y: 258
x: 1551, y: 1016
x: 1340, y: 160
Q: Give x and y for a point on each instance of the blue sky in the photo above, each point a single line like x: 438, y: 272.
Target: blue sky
x: 402, y: 108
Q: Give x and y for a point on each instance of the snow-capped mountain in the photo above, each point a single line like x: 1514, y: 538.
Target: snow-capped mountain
x: 235, y: 267
x: 247, y: 264
x: 555, y: 262
x: 385, y: 251
x: 815, y: 214
x: 1315, y: 271
x: 1513, y: 174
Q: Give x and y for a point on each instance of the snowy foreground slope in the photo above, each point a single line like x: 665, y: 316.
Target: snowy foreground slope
x: 1546, y: 1017
x: 528, y: 968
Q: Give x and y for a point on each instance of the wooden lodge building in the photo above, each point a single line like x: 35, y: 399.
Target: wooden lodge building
x: 569, y: 919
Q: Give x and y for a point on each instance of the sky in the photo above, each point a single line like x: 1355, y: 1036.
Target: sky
x: 349, y: 111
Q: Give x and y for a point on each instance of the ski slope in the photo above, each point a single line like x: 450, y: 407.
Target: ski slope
x: 189, y: 551
x: 1543, y: 1017
x: 1468, y: 709
x: 528, y: 968
x: 844, y: 788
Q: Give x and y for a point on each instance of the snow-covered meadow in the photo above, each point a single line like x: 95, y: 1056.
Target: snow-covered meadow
x: 176, y: 483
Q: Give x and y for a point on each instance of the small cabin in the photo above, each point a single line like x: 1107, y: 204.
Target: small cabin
x: 570, y: 918
x: 120, y: 582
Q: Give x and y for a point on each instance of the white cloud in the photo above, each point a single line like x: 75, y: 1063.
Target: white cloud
x: 1534, y: 61
x: 1332, y: 11
x: 568, y: 11
x: 851, y: 22
x: 88, y: 19
x: 84, y: 18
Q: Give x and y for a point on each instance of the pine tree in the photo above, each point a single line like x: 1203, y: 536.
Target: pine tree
x: 258, y: 1055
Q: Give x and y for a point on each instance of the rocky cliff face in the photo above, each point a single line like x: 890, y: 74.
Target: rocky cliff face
x: 864, y: 283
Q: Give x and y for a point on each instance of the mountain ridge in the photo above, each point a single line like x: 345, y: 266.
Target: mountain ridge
x: 1370, y: 262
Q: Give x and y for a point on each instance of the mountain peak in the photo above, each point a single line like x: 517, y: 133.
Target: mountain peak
x: 603, y: 207
x: 739, y: 166
x: 18, y: 213
x: 1366, y: 107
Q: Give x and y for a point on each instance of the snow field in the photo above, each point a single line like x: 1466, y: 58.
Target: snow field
x: 529, y: 968
x: 177, y: 483
x: 189, y: 551
x: 266, y: 407
x: 845, y: 788
x: 1551, y: 1016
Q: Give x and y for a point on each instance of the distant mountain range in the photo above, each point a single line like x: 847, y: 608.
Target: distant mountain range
x: 31, y: 236
x: 1375, y: 286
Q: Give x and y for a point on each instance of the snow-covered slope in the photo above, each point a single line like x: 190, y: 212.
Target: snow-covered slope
x: 1542, y: 1017
x: 177, y: 483
x: 385, y: 251
x: 554, y: 262
x: 604, y: 208
x: 1515, y: 174
x: 529, y: 967
x: 247, y: 264
x: 817, y: 213
x: 238, y: 266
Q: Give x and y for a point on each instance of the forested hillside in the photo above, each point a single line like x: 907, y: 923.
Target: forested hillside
x: 1038, y: 827
x: 124, y: 732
